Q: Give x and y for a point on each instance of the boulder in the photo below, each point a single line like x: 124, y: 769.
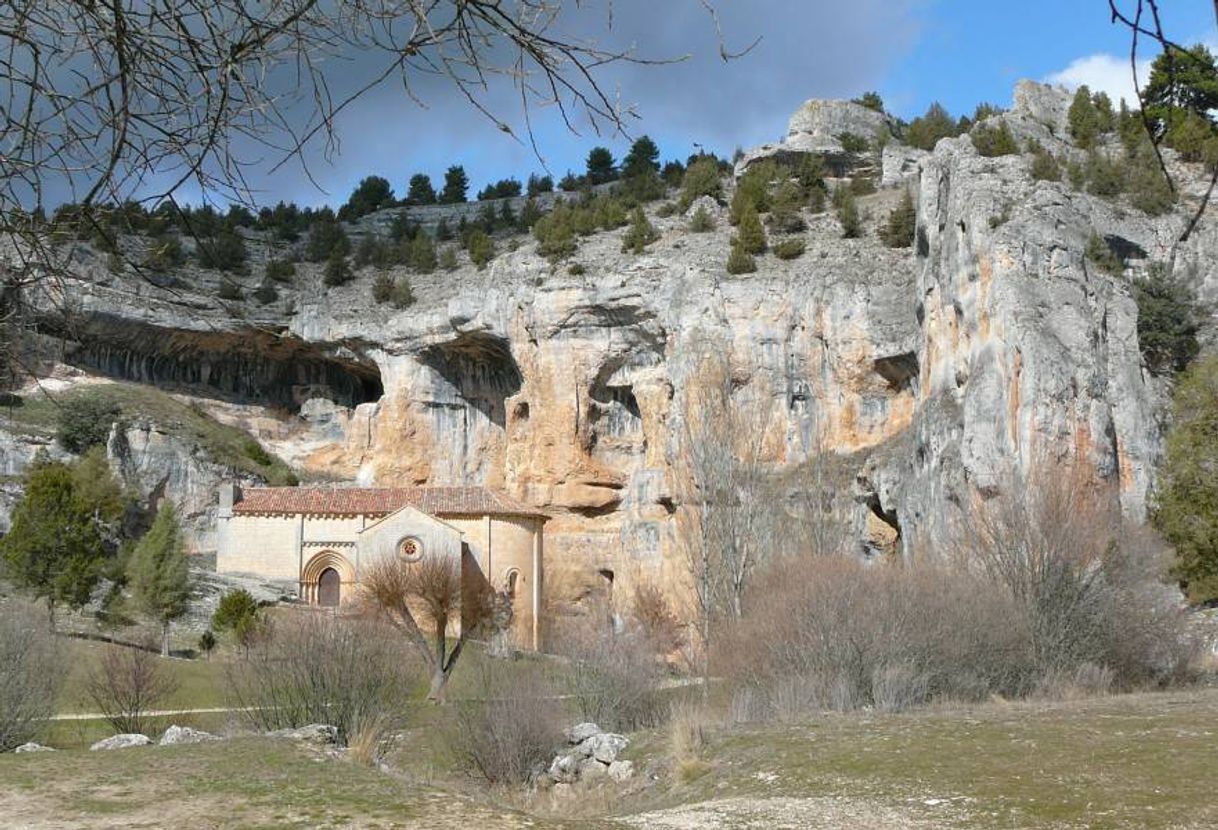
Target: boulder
x: 565, y: 768
x: 122, y: 741
x: 33, y: 747
x: 621, y: 771
x: 581, y: 732
x: 591, y: 769
x: 604, y: 747
x: 319, y: 734
x: 185, y: 735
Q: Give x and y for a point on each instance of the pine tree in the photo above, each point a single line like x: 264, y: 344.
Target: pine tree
x: 848, y: 213
x: 337, y: 270
x: 237, y: 612
x: 54, y: 547
x: 600, y: 166
x: 481, y: 248
x: 643, y: 158
x: 420, y: 191
x: 456, y: 186
x: 899, y: 230
x: 423, y: 254
x: 1084, y: 119
x: 751, y: 235
x: 157, y: 572
x: 739, y: 261
x: 641, y: 233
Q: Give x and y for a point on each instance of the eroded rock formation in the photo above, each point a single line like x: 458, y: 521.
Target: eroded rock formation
x: 929, y: 372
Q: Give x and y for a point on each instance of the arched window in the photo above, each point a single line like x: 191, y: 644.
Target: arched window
x: 510, y: 583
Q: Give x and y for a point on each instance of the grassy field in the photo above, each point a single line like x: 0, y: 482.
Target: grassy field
x: 1138, y: 761
x: 200, y: 683
x: 224, y: 444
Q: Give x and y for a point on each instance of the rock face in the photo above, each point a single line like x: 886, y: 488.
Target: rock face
x: 123, y: 741
x: 928, y: 373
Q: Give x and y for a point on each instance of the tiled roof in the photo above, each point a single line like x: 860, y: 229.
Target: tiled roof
x: 436, y: 501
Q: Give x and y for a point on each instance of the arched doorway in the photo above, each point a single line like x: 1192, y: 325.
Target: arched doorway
x: 329, y: 585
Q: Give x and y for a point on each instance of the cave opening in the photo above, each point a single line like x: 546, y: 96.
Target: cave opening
x: 480, y: 369
x: 246, y: 367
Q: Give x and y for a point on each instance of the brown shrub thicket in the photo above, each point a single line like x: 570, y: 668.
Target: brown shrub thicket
x: 613, y: 678
x: 30, y: 672
x: 1043, y: 593
x: 509, y: 725
x: 351, y: 673
x: 127, y: 684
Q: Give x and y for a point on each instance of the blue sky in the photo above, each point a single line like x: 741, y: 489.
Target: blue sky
x: 959, y: 52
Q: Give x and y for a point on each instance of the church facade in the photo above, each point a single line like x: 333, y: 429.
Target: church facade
x: 323, y: 538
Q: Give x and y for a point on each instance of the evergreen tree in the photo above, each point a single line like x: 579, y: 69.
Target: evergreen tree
x: 448, y: 258
x: 456, y: 186
x: 739, y: 261
x: 600, y: 166
x: 785, y: 215
x: 157, y: 573
x: 701, y: 221
x: 871, y: 100
x: 238, y: 613
x: 992, y: 141
x: 643, y: 158
x: 1182, y: 82
x: 1045, y: 167
x: 925, y: 132
x: 84, y: 422
x: 1186, y: 509
x: 337, y: 271
x: 223, y: 252
x: 372, y: 194
x: 326, y: 238
x: 420, y: 191
x: 751, y: 235
x: 902, y: 224
x: 848, y: 213
x: 54, y: 547
x: 422, y: 254
x: 443, y: 232
x: 539, y: 184
x: 1169, y: 319
x: 641, y: 233
x: 481, y: 248
x: 1084, y: 119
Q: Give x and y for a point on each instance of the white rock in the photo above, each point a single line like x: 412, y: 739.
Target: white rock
x: 581, y: 732
x: 592, y: 769
x: 565, y: 768
x: 604, y: 747
x: 185, y: 735
x: 33, y: 747
x: 122, y: 741
x: 321, y: 734
x: 621, y: 771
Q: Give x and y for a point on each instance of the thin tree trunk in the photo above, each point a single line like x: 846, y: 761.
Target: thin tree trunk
x: 165, y: 638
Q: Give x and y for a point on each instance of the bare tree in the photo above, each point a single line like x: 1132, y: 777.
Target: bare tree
x: 127, y: 684
x: 727, y: 519
x: 423, y: 599
x: 32, y: 675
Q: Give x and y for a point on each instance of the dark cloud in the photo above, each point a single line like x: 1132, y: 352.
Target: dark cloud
x: 813, y: 48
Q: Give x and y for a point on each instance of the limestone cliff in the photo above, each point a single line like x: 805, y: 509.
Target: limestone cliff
x: 929, y: 371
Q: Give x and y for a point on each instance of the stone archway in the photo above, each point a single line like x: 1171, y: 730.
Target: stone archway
x: 325, y: 579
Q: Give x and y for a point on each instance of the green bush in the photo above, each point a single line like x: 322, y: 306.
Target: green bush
x: 1169, y: 318
x: 785, y: 215
x: 753, y: 188
x: 862, y: 185
x: 1186, y: 502
x: 1077, y: 174
x: 382, y: 289
x: 448, y: 258
x: 576, y: 269
x: 791, y: 248
x: 848, y: 213
x: 666, y: 210
x: 925, y: 132
x: 481, y: 249
x: 902, y: 224
x: 871, y: 100
x: 641, y: 233
x: 701, y: 221
x: 1149, y: 190
x: 555, y: 233
x: 337, y: 270
x: 85, y: 422
x: 702, y: 178
x: 993, y: 141
x: 1084, y: 119
x: 1045, y: 167
x: 229, y: 290
x: 740, y: 262
x: 223, y: 252
x: 423, y: 254
x: 1100, y: 252
x: 164, y: 253
x: 1105, y: 175
x: 751, y: 235
x: 326, y: 239
x: 403, y: 293
x: 280, y: 271
x: 854, y: 143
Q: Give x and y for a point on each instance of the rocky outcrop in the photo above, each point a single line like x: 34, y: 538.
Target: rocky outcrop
x: 122, y: 741
x: 817, y: 128
x: 185, y: 735
x: 591, y: 755
x: 928, y: 374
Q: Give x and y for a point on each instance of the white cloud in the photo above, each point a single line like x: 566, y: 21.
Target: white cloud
x: 1103, y: 73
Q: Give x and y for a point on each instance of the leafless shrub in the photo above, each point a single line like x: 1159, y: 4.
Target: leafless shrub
x: 315, y: 668
x: 510, y: 727
x: 655, y: 619
x: 127, y: 684
x: 614, y: 679
x: 32, y: 672
x: 688, y: 727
